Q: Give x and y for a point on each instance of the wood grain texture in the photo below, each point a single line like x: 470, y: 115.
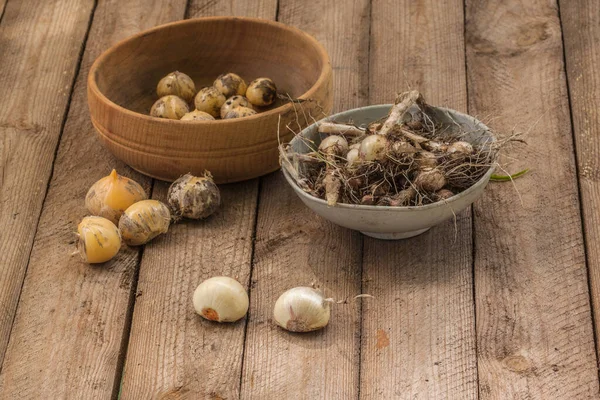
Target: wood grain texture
x: 295, y: 247
x: 534, y: 329
x: 581, y: 32
x: 174, y: 353
x: 419, y: 332
x: 69, y: 328
x: 40, y: 53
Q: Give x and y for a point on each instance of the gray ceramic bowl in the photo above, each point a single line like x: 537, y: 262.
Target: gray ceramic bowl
x: 393, y: 222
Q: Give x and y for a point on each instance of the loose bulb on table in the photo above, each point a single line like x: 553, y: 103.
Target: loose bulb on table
x: 99, y: 239
x: 143, y: 221
x: 221, y: 299
x: 194, y: 197
x: 110, y: 196
x: 302, y: 309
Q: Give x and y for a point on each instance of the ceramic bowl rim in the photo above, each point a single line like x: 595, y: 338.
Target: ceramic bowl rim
x: 362, y: 207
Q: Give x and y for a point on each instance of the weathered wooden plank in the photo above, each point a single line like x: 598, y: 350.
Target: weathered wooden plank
x: 581, y: 33
x: 419, y: 334
x: 534, y: 329
x: 172, y: 351
x: 72, y: 318
x: 40, y: 54
x: 294, y: 247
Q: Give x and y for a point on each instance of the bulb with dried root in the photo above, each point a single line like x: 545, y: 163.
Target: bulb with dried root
x: 302, y: 309
x: 221, y: 299
x: 416, y: 155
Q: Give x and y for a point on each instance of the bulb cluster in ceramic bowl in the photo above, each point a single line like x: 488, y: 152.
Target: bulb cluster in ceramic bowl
x: 391, y: 171
x: 122, y: 88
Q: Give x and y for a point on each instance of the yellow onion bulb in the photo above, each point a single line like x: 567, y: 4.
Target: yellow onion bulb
x: 99, y: 239
x: 110, y: 196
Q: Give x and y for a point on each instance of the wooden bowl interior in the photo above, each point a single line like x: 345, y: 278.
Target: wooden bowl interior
x: 204, y: 49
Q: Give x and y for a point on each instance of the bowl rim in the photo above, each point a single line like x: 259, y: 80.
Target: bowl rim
x: 325, y: 71
x: 362, y: 207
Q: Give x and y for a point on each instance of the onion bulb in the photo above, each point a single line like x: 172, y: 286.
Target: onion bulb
x: 239, y: 112
x: 194, y: 197
x: 302, y: 309
x: 143, y: 221
x: 110, y: 196
x: 443, y: 194
x: 352, y: 157
x: 209, y: 100
x: 334, y: 145
x: 99, y: 239
x: 197, y: 115
x: 460, y: 149
x: 233, y: 102
x: 261, y: 92
x: 373, y: 147
x: 169, y: 107
x: 230, y: 84
x: 430, y: 180
x: 221, y: 299
x: 178, y: 84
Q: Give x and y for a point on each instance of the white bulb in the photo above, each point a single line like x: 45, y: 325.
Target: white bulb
x: 373, y: 148
x: 302, y: 309
x: 458, y: 149
x: 334, y: 144
x: 352, y: 157
x: 221, y: 299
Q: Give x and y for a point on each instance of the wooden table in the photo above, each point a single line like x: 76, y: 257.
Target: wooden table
x: 504, y: 307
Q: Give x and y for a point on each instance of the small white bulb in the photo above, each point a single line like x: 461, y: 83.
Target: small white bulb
x: 352, y: 157
x: 373, y: 148
x: 459, y: 149
x: 221, y: 299
x: 334, y: 144
x: 302, y: 309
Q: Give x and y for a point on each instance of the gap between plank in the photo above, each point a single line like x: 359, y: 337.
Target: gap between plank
x: 60, y: 134
x: 122, y: 357
x: 473, y: 232
x: 577, y: 174
x: 252, y: 248
x: 362, y: 238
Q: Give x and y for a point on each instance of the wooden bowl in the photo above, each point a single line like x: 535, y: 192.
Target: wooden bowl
x: 122, y: 88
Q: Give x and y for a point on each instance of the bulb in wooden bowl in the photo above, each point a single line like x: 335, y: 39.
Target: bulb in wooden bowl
x: 239, y: 112
x: 261, y: 92
x: 197, y: 115
x: 210, y: 100
x: 178, y: 84
x: 233, y: 102
x: 232, y: 149
x: 230, y: 84
x: 170, y: 107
